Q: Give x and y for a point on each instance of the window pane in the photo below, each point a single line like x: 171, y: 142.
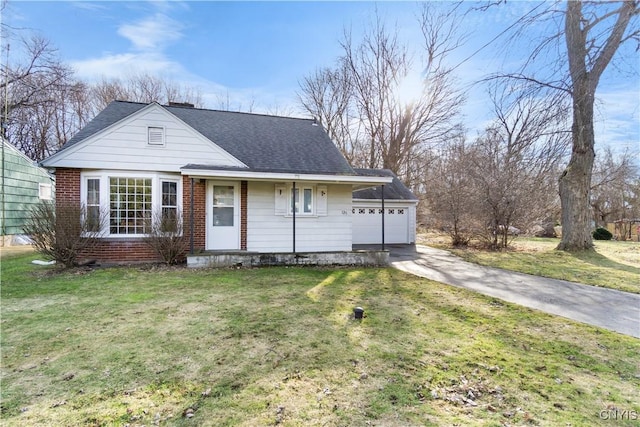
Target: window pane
x: 93, y: 218
x: 307, y: 200
x: 93, y: 192
x: 93, y: 204
x: 222, y: 217
x: 169, y: 193
x: 223, y: 195
x: 130, y: 205
x: 295, y: 194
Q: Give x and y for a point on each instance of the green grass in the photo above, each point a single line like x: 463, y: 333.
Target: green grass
x: 614, y: 265
x: 147, y: 346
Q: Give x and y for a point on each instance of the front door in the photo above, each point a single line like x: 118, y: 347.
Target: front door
x: 223, y: 215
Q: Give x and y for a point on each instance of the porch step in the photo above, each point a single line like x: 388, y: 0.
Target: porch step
x: 373, y: 258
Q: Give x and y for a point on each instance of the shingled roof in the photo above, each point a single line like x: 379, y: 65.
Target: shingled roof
x: 262, y: 142
x: 394, y: 191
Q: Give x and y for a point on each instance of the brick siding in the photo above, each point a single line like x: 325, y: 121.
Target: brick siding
x: 108, y: 250
x: 67, y: 186
x: 126, y: 250
x: 121, y: 250
x: 199, y: 211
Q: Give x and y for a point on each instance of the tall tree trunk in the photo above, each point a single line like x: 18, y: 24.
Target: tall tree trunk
x: 585, y: 70
x: 575, y: 181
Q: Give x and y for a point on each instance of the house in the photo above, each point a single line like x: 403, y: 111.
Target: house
x: 242, y: 182
x: 24, y: 184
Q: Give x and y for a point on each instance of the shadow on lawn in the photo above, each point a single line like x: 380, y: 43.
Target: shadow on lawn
x: 598, y: 260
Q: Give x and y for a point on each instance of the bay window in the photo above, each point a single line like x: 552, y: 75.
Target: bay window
x: 130, y: 202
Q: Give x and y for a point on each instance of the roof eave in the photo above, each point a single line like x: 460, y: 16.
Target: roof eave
x: 355, y: 180
x: 389, y: 200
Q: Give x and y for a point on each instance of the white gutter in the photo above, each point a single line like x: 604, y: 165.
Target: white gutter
x: 369, y: 181
x: 405, y: 201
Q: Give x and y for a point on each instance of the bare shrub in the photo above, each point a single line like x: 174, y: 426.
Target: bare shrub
x: 165, y: 236
x: 61, y: 232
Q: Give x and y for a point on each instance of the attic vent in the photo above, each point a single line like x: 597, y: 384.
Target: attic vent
x: 155, y: 136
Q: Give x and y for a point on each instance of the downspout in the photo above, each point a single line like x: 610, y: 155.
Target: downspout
x: 191, y: 226
x: 383, y: 217
x: 293, y: 208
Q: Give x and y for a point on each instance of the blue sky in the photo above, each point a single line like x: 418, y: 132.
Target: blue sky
x: 257, y: 52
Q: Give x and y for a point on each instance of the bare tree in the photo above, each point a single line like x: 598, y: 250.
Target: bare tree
x: 591, y: 44
x: 142, y: 88
x: 506, y: 177
x: 361, y: 103
x: 44, y: 103
x: 40, y: 71
x: 612, y: 187
x: 593, y: 33
x: 328, y: 96
x: 514, y: 163
x: 450, y: 196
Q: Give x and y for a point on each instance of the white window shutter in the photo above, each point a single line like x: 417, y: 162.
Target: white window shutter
x: 281, y: 200
x: 321, y: 200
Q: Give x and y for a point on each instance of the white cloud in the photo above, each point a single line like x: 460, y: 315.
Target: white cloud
x: 92, y: 6
x: 149, y: 37
x: 125, y: 64
x: 152, y: 33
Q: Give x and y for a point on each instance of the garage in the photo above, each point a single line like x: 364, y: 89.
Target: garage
x: 399, y: 212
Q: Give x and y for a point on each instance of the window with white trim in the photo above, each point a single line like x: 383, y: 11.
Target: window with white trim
x: 45, y: 191
x: 130, y: 201
x: 130, y: 205
x: 301, y: 201
x: 169, y: 205
x: 93, y: 204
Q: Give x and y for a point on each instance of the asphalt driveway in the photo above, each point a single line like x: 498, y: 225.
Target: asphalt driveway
x: 610, y: 309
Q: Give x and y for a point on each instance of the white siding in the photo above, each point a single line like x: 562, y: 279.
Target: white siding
x: 124, y: 146
x: 268, y: 232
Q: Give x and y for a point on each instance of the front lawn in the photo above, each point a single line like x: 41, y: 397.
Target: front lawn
x: 279, y: 346
x: 614, y: 265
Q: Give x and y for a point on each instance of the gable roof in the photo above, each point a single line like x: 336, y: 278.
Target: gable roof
x: 113, y: 113
x: 394, y: 191
x: 262, y: 142
x: 23, y: 159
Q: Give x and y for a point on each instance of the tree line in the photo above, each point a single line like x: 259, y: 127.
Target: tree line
x: 540, y: 144
x: 386, y: 106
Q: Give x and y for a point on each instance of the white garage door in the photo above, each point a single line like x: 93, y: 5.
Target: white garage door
x: 367, y: 224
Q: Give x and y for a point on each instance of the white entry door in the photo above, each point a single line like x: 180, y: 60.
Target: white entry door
x: 223, y: 215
